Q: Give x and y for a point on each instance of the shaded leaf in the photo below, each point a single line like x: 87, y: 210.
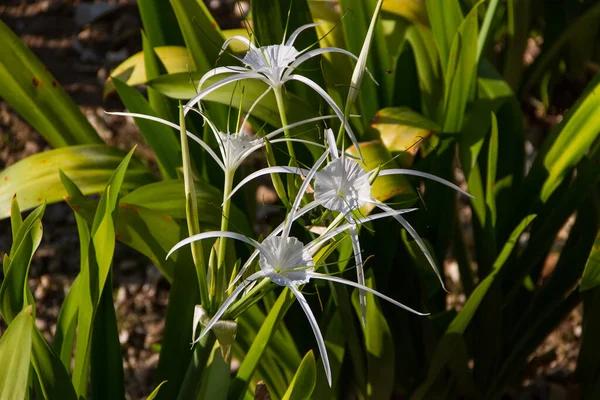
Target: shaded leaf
x: 15, y: 353
x: 32, y: 91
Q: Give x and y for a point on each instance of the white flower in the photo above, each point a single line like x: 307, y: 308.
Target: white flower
x: 343, y: 185
x: 234, y: 147
x: 274, y: 65
x: 288, y: 262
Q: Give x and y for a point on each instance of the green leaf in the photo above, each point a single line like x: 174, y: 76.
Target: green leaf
x: 160, y: 137
x: 183, y: 86
x: 94, y: 274
x: 402, y: 129
x: 175, y: 352
x: 463, y: 318
x: 35, y: 179
x: 355, y: 27
x: 107, y: 380
x: 303, y: 384
x: 202, y: 35
x: 32, y: 91
x: 379, y: 345
x: 133, y: 70
x: 15, y: 353
x: 453, y: 339
x: 445, y: 17
x: 54, y: 379
x: 422, y: 42
x: 66, y: 325
x: 266, y: 332
x: 155, y: 391
x: 591, y: 273
x: 165, y: 108
x: 460, y: 72
x: 159, y: 22
x: 168, y: 198
x: 215, y: 377
x: 566, y: 145
x: 15, y: 288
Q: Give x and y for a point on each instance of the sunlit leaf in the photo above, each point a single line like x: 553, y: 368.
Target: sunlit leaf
x: 35, y: 179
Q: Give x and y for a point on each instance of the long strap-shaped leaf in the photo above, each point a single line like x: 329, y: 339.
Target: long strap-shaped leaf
x: 32, y: 91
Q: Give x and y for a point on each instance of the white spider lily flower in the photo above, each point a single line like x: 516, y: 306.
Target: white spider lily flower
x: 234, y: 148
x: 288, y: 262
x: 274, y: 65
x: 343, y: 185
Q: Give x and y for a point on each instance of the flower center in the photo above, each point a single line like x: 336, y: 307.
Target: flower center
x: 271, y: 61
x: 343, y: 185
x: 285, y: 260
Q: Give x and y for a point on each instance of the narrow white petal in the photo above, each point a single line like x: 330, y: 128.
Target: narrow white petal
x: 226, y: 304
x: 252, y: 107
x: 308, y: 142
x: 344, y: 227
x: 316, y: 275
x: 294, y: 35
x: 304, y: 210
x: 308, y: 177
x: 412, y: 232
x: 316, y: 52
x: 330, y: 138
x: 214, y: 234
x: 239, y: 38
x: 400, y: 171
x: 332, y: 104
x: 219, y: 71
x: 360, y: 276
x: 295, y: 124
x: 266, y: 171
x: 230, y: 79
x: 175, y: 126
x: 315, y: 328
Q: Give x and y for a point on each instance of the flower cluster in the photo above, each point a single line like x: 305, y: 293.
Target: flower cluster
x: 339, y: 181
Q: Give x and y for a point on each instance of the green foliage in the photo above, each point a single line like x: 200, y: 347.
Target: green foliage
x: 447, y: 97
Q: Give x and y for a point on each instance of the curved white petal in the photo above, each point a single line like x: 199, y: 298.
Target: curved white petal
x: 291, y: 215
x: 219, y: 71
x: 213, y: 234
x: 321, y: 239
x: 332, y: 104
x: 330, y: 138
x: 401, y: 171
x: 308, y: 142
x: 316, y: 275
x: 295, y: 124
x: 294, y: 35
x: 226, y: 304
x: 412, y: 232
x: 230, y: 79
x: 315, y: 328
x: 175, y: 126
x: 239, y: 38
x: 360, y: 276
x: 254, y: 105
x: 302, y: 211
x: 266, y: 171
x: 316, y: 52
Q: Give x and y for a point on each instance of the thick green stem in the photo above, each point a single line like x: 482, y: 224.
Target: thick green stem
x: 191, y: 206
x: 284, y: 122
x: 220, y: 273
